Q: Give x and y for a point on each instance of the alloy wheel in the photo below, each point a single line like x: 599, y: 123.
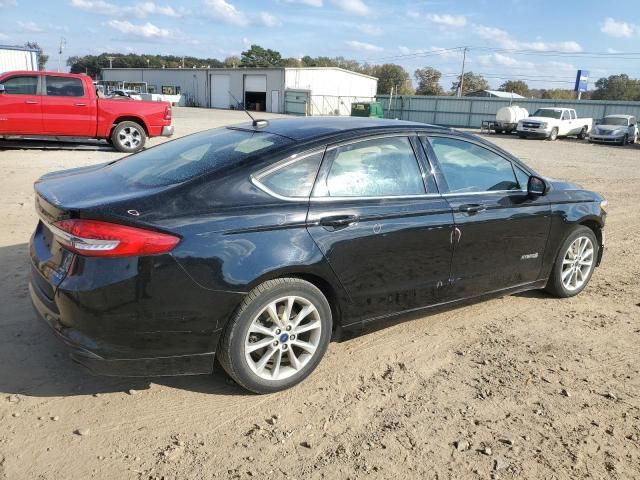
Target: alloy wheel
x: 283, y: 338
x: 130, y: 137
x: 577, y: 263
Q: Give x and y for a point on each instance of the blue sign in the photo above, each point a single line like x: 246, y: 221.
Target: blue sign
x: 581, y: 81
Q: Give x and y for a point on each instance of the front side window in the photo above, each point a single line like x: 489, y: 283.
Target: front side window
x: 23, y: 85
x: 64, y: 87
x: 566, y: 115
x: 470, y: 168
x: 378, y: 167
x: 294, y: 179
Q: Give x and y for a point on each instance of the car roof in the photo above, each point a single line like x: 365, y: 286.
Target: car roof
x: 310, y: 128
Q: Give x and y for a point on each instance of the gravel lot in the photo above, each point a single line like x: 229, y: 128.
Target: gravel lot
x: 523, y: 386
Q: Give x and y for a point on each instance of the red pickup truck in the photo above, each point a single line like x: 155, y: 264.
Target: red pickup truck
x: 48, y: 104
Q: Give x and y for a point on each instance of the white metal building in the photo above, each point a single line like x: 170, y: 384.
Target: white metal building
x: 17, y: 58
x: 305, y: 91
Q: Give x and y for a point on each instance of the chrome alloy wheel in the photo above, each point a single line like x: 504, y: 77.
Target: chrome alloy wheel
x: 577, y: 263
x: 283, y: 338
x: 130, y: 137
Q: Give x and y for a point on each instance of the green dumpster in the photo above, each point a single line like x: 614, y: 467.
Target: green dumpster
x: 367, y: 109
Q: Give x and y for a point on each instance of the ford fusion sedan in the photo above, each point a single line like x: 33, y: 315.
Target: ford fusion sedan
x: 619, y: 129
x: 259, y: 243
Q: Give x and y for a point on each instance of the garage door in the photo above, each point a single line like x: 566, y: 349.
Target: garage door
x: 255, y: 83
x: 220, y: 86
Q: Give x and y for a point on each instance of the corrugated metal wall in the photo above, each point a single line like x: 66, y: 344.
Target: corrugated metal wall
x: 17, y: 59
x: 471, y: 111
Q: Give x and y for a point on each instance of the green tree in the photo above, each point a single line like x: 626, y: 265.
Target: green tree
x: 558, y: 94
x: 232, y: 62
x: 515, y: 86
x: 617, y: 87
x: 390, y: 76
x: 256, y: 56
x: 428, y: 79
x: 42, y: 58
x: 471, y: 83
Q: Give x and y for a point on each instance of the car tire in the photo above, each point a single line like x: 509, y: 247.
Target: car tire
x: 498, y: 130
x: 565, y: 280
x: 624, y: 141
x: 128, y: 137
x: 583, y: 133
x: 264, y: 356
x: 522, y: 136
x: 553, y: 136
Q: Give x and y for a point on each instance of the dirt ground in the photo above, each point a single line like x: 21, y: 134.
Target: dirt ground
x: 524, y: 386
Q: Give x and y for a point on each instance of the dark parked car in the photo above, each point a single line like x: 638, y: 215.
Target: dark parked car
x: 258, y: 244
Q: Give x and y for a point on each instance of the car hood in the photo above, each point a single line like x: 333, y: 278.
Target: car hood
x: 538, y: 119
x: 557, y: 184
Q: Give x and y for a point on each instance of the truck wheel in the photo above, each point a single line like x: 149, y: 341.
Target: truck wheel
x: 583, y: 133
x: 498, y: 130
x: 553, y: 136
x: 128, y: 137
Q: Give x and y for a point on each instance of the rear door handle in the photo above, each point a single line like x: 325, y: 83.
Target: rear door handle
x: 31, y: 102
x: 472, y: 208
x: 79, y: 104
x: 338, y: 221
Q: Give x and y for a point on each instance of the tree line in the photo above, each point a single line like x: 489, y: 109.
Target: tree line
x: 391, y: 77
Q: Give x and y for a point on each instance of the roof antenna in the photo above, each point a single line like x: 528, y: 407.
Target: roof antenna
x: 256, y: 123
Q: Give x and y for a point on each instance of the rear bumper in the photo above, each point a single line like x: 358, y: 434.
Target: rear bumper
x: 167, y: 130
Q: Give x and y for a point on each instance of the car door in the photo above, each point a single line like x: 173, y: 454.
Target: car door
x: 501, y: 231
x: 21, y: 106
x: 67, y: 110
x: 376, y: 215
x: 566, y: 124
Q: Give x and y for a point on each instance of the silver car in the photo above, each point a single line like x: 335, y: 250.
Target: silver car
x: 620, y: 129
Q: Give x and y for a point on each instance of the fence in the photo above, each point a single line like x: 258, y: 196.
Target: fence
x: 302, y: 102
x: 469, y: 112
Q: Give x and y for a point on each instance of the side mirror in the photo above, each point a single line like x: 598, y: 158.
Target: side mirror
x: 2, y: 89
x: 536, y: 187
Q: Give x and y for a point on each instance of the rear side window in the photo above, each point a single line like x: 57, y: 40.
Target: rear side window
x: 27, y: 85
x: 293, y: 179
x: 381, y: 167
x: 470, y: 168
x: 188, y: 157
x: 64, y: 87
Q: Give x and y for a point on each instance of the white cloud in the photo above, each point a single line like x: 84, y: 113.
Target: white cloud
x: 504, y: 40
x: 447, y: 20
x: 225, y: 12
x: 8, y: 3
x: 364, y: 47
x: 311, y: 3
x: 353, y: 6
x: 246, y: 42
x: 613, y: 50
x: 404, y: 50
x: 30, y: 27
x: 269, y: 20
x: 4, y: 37
x: 413, y: 14
x: 141, y: 9
x: 504, y: 60
x: 617, y: 29
x: 370, y: 29
x: 147, y: 30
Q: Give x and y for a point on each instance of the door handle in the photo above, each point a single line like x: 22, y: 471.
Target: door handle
x: 31, y: 102
x: 338, y: 221
x: 79, y: 104
x: 472, y: 208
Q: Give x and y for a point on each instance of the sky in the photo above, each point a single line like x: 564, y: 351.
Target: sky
x: 543, y: 42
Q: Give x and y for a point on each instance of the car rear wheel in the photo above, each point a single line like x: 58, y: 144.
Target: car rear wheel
x: 128, y: 137
x: 553, y: 136
x: 583, y: 133
x: 575, y: 263
x: 277, y: 337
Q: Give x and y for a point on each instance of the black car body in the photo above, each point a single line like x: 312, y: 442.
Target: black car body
x: 238, y: 221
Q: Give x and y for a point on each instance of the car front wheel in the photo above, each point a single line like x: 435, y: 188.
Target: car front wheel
x: 277, y: 337
x: 553, y: 136
x: 575, y: 263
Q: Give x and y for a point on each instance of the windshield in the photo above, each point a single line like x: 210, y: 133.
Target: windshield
x: 614, y: 121
x: 185, y: 158
x: 547, y: 112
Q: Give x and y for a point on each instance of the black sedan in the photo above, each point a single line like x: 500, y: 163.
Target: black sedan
x: 257, y: 244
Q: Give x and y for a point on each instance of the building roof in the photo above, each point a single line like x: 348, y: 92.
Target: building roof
x: 499, y: 94
x: 17, y: 47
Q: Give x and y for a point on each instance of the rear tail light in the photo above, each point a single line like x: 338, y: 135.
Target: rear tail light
x: 167, y: 113
x: 94, y: 238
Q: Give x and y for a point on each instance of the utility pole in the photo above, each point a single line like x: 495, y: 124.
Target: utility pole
x: 63, y: 43
x: 464, y: 58
x: 110, y: 61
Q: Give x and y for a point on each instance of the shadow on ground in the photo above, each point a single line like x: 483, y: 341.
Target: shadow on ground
x: 35, y: 363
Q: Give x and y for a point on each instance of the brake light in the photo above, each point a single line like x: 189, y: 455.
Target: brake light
x: 94, y: 238
x: 167, y: 113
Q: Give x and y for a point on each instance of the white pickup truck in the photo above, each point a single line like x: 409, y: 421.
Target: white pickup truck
x: 554, y: 122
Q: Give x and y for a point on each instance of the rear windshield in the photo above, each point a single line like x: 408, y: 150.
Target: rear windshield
x: 547, y: 112
x: 188, y: 157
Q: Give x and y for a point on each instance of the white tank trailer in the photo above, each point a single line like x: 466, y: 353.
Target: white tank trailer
x: 507, y: 118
